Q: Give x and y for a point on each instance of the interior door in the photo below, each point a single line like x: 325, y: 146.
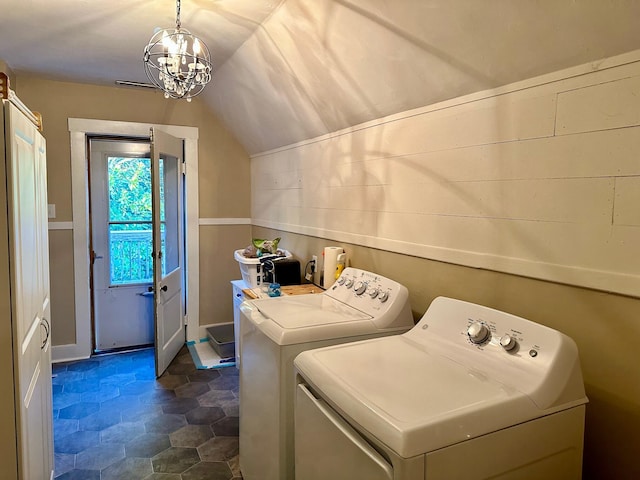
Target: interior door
x: 30, y: 295
x: 166, y: 173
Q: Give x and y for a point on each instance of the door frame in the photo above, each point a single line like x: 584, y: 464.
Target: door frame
x: 79, y: 129
x: 100, y: 149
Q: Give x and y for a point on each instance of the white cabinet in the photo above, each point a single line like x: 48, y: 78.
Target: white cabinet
x: 26, y: 443
x: 238, y: 298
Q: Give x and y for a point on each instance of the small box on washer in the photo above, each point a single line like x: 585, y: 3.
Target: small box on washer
x: 222, y: 340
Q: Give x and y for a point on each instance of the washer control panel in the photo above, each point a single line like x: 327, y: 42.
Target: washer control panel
x: 367, y: 291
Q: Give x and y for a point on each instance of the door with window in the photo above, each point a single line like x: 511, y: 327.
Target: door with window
x: 137, y: 244
x: 166, y: 167
x: 121, y: 243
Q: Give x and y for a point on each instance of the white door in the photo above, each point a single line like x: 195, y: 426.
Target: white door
x: 30, y: 295
x: 121, y: 243
x: 167, y: 180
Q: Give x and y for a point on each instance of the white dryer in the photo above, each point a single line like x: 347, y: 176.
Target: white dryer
x: 468, y: 393
x: 360, y: 305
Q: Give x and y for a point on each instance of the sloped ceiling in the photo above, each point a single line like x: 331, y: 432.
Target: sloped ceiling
x: 291, y: 70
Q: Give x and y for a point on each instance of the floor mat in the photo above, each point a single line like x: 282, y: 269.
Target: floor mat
x: 205, y: 357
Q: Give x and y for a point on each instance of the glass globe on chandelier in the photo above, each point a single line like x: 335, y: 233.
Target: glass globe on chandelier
x: 177, y: 62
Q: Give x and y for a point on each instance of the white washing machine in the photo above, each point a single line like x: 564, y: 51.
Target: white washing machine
x: 358, y: 306
x: 468, y: 393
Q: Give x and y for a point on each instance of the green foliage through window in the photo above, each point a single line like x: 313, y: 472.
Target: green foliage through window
x: 130, y: 215
x: 129, y: 189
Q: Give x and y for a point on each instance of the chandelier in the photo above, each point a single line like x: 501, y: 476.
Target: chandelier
x: 177, y: 62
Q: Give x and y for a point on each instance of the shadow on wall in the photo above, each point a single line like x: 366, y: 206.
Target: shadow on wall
x: 608, y: 416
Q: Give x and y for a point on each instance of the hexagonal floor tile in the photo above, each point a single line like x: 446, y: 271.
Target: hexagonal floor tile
x: 226, y: 427
x: 165, y: 423
x: 99, y: 456
x: 76, y: 442
x: 180, y: 405
x: 175, y: 460
x: 147, y: 445
x: 129, y: 468
x: 219, y: 449
x: 191, y: 436
x: 152, y: 420
x: 208, y: 471
x: 192, y: 389
x: 122, y: 432
x: 99, y: 421
x: 79, y: 410
x: 214, y: 397
x: 204, y: 415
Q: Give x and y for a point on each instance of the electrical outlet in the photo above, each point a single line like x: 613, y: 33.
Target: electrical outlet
x: 312, y: 268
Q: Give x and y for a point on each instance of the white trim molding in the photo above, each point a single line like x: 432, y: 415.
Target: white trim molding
x: 60, y: 225
x: 79, y: 129
x: 224, y: 221
x: 565, y: 274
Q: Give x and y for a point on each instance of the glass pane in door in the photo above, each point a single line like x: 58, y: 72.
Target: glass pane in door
x: 129, y: 189
x: 169, y: 213
x: 130, y: 228
x: 130, y: 246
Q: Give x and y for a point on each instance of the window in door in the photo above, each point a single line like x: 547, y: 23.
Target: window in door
x: 129, y: 220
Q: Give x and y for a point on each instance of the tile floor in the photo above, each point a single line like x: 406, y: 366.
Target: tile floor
x: 114, y: 420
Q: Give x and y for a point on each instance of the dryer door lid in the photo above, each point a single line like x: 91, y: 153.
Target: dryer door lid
x: 414, y: 401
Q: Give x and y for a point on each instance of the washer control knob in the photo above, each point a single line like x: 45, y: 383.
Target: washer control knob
x: 349, y: 283
x: 373, y: 293
x: 341, y: 280
x: 478, y: 332
x: 383, y: 296
x: 360, y: 287
x: 508, y: 342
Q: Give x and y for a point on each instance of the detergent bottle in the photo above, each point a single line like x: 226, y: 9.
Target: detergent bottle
x: 340, y: 264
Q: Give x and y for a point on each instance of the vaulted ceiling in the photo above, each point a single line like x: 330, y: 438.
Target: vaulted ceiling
x: 289, y: 70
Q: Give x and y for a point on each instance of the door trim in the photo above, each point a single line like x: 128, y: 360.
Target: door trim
x: 79, y: 128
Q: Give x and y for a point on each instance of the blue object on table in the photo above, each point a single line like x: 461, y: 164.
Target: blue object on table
x: 274, y: 290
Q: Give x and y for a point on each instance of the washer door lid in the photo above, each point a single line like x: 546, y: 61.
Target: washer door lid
x: 304, y: 311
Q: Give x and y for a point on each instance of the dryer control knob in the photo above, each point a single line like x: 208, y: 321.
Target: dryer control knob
x: 341, y: 280
x: 478, y: 332
x: 383, y: 296
x: 360, y: 287
x: 508, y: 342
x: 373, y: 293
x: 349, y: 283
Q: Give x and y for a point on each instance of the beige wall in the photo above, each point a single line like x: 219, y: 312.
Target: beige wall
x: 475, y: 199
x: 63, y: 312
x: 218, y: 268
x: 223, y: 178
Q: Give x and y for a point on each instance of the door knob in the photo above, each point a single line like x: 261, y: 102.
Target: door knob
x: 164, y: 288
x: 47, y: 329
x: 94, y: 256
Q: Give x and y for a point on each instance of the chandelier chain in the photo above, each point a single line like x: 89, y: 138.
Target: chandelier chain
x: 178, y: 15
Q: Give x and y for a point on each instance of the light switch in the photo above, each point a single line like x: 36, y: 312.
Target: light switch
x: 51, y: 210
